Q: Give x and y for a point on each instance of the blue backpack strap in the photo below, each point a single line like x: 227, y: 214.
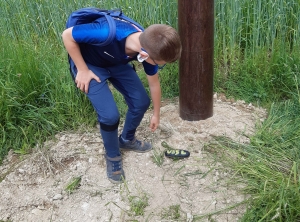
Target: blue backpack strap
x: 122, y: 16
x: 112, y: 31
x: 89, y: 15
x: 117, y: 13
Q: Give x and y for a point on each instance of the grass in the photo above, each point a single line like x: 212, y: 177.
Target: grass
x: 270, y: 165
x: 158, y: 157
x: 73, y: 185
x: 172, y: 213
x: 256, y: 59
x: 137, y: 200
x: 262, y: 79
x: 138, y: 204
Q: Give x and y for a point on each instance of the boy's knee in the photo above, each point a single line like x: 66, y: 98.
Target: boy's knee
x: 143, y: 105
x: 146, y: 104
x: 109, y: 121
x: 109, y: 126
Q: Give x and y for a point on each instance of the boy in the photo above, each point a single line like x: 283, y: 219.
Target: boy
x: 93, y: 65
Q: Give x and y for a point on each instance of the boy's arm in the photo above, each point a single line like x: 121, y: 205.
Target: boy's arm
x: 155, y: 91
x: 84, y: 75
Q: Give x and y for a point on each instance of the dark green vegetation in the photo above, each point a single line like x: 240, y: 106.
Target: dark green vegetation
x: 257, y: 59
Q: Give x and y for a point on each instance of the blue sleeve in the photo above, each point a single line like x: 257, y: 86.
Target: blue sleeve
x: 92, y: 33
x: 124, y: 29
x: 150, y: 69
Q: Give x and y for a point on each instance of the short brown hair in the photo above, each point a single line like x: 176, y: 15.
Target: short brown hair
x: 162, y: 42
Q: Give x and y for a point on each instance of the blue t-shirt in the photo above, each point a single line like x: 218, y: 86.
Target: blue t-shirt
x: 113, y: 54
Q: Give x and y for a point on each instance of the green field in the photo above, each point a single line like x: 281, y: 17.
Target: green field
x: 257, y: 59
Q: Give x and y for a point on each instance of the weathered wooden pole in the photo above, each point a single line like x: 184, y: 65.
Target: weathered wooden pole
x: 196, y: 30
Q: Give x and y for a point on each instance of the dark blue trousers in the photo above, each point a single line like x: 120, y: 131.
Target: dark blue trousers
x: 126, y: 81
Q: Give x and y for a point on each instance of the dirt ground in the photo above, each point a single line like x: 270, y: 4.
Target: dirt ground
x: 33, y: 187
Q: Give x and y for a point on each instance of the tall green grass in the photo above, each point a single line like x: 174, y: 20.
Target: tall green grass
x: 269, y: 167
x: 256, y: 59
x: 37, y: 97
x: 256, y: 48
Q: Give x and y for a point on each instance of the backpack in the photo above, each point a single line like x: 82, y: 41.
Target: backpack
x: 90, y: 14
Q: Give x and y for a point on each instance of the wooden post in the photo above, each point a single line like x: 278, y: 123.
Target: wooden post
x: 196, y: 30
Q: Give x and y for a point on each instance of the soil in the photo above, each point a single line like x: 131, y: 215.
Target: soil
x: 33, y: 186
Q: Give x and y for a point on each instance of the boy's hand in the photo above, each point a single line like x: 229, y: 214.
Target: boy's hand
x: 154, y: 122
x: 83, y: 79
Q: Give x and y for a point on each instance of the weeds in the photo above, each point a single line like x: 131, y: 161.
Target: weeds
x: 158, y: 157
x: 73, y: 185
x: 173, y: 212
x: 138, y: 204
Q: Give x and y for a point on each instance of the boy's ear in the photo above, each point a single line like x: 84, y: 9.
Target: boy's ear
x: 142, y: 56
x: 143, y: 53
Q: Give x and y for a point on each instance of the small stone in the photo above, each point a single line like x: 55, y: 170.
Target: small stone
x: 85, y: 206
x: 62, y: 138
x: 57, y: 197
x: 190, y: 138
x: 36, y: 211
x: 74, y: 167
x: 21, y: 171
x: 184, y: 201
x: 189, y: 217
x: 41, y: 207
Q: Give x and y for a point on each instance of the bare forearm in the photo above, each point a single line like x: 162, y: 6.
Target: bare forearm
x: 73, y: 49
x: 156, y: 99
x: 84, y: 75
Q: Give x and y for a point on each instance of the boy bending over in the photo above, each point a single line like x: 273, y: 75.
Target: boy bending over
x: 93, y: 65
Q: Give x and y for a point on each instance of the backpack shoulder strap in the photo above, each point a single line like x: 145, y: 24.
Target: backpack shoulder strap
x: 112, y: 30
x: 117, y: 13
x: 89, y: 15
